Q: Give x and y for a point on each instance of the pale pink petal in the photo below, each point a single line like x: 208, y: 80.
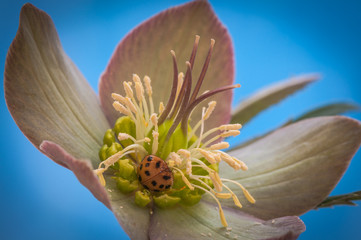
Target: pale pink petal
x: 146, y: 51
x: 293, y: 169
x: 133, y: 219
x: 202, y: 221
x: 46, y: 94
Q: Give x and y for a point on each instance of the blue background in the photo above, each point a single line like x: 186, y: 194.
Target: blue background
x: 272, y: 40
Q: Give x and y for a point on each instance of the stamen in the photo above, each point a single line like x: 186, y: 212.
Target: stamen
x: 184, y: 153
x: 161, y: 108
x: 154, y: 120
x: 175, y: 157
x: 206, y: 155
x: 183, y: 93
x: 223, y: 195
x: 139, y: 92
x: 230, y: 161
x: 120, y: 108
x: 130, y: 104
x: 125, y: 136
x: 99, y: 172
x: 148, y: 86
x: 185, y: 180
x: 219, y: 146
x: 210, y: 109
x: 201, y: 165
x: 222, y: 135
x: 189, y: 166
x: 128, y: 90
x: 227, y: 127
x: 221, y: 213
x: 155, y: 142
x: 245, y: 191
x: 118, y: 98
x: 211, y: 106
x: 230, y: 133
x: 234, y: 196
x: 216, y: 181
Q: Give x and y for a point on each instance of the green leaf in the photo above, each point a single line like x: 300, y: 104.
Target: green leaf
x: 326, y: 110
x: 344, y: 199
x: 329, y: 110
x: 293, y: 169
x: 269, y: 96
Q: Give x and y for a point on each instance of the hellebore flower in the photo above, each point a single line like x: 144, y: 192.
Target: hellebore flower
x: 138, y: 124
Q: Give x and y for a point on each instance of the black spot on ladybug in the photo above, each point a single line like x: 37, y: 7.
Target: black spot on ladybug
x: 145, y: 186
x: 149, y: 159
x: 141, y: 166
x: 139, y: 178
x: 165, y: 177
x: 147, y: 164
x: 157, y: 165
x: 147, y: 173
x: 161, y: 186
x: 154, y: 183
x: 167, y: 187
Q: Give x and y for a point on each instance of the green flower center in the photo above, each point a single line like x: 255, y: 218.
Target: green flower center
x: 158, y: 156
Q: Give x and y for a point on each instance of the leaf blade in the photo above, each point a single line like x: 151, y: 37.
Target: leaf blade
x: 269, y: 96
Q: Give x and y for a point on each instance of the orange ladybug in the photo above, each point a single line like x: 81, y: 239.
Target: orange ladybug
x: 154, y: 174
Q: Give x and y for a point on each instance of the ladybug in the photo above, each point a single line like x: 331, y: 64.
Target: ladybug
x: 154, y: 174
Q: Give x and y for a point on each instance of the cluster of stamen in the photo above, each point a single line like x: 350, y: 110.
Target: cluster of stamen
x: 202, y: 148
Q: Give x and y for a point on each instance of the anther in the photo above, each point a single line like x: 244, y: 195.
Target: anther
x: 136, y: 78
x: 185, y: 180
x: 120, y: 108
x: 211, y: 106
x: 207, y: 155
x: 130, y: 104
x: 148, y: 85
x: 139, y: 91
x: 184, y: 153
x: 155, y: 142
x: 161, y: 108
x: 219, y: 146
x: 227, y: 127
x: 175, y: 157
x: 118, y: 98
x: 230, y: 133
x: 128, y: 90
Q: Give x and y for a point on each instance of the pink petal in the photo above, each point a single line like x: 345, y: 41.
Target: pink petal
x: 133, y: 219
x: 80, y: 167
x: 46, y: 94
x: 293, y: 169
x: 146, y: 51
x: 202, y: 222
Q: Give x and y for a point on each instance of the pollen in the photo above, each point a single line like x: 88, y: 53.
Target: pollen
x: 159, y: 155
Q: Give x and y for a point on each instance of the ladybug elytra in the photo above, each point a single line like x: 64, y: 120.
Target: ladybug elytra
x: 154, y: 174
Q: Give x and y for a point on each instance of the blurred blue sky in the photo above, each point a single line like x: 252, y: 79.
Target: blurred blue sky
x: 272, y: 39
